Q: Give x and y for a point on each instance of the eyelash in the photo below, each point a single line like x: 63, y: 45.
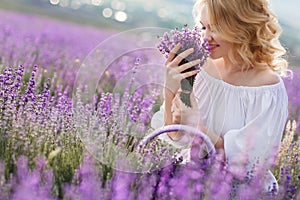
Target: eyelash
x: 204, y: 28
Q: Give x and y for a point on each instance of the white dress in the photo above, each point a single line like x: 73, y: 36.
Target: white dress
x: 250, y: 119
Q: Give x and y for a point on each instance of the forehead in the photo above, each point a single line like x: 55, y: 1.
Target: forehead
x: 204, y: 17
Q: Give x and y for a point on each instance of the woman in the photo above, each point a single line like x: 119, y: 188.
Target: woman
x: 240, y: 100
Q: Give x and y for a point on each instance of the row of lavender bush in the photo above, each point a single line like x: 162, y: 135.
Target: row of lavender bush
x: 43, y: 153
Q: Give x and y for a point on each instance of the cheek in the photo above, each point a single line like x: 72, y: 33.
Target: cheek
x: 219, y: 40
x: 225, y: 45
x: 228, y: 46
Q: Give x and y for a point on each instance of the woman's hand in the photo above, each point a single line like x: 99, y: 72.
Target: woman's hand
x: 173, y: 73
x: 181, y: 114
x: 172, y: 83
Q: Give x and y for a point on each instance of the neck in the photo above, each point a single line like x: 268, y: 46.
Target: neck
x: 229, y: 67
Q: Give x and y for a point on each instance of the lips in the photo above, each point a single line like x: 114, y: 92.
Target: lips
x: 213, y: 46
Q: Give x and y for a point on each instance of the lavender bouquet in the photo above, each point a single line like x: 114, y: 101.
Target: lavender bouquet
x: 188, y: 38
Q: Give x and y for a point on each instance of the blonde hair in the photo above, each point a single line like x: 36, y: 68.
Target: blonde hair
x: 251, y: 27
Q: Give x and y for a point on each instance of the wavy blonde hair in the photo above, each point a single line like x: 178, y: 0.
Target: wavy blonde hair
x: 251, y: 27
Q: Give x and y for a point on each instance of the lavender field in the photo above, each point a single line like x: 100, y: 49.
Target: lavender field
x: 54, y: 145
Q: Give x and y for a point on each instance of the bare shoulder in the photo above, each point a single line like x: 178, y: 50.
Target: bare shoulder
x: 211, y: 68
x: 266, y: 77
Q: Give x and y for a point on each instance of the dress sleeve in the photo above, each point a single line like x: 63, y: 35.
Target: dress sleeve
x: 258, y: 141
x: 157, y: 121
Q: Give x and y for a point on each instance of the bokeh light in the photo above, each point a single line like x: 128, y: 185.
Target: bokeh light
x: 162, y: 13
x: 54, y: 2
x: 97, y: 2
x: 117, y: 5
x: 64, y: 3
x: 75, y: 5
x: 107, y: 12
x: 120, y: 16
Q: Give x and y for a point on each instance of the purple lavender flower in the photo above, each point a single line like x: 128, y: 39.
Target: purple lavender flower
x: 32, y: 184
x: 188, y: 38
x: 122, y: 184
x: 292, y: 85
x: 89, y: 186
x: 45, y: 116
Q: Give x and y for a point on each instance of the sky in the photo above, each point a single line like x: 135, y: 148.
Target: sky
x: 288, y: 11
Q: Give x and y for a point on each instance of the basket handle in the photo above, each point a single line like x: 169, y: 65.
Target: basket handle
x: 181, y: 128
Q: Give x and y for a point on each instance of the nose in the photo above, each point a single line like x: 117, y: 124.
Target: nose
x: 207, y: 35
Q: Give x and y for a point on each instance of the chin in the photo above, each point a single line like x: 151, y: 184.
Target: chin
x: 214, y: 57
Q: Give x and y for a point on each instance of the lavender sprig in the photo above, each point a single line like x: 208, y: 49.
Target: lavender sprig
x: 188, y: 38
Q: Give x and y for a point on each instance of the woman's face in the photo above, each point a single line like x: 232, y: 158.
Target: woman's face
x: 218, y: 46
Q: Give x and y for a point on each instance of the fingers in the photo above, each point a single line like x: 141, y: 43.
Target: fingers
x: 182, y: 55
x: 174, y: 72
x: 194, y: 102
x: 176, y: 116
x: 181, y: 76
x: 177, y: 59
x: 188, y: 65
x: 173, y: 52
x: 181, y: 114
x: 174, y: 62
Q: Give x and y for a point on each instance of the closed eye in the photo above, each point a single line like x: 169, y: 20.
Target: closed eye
x: 202, y: 26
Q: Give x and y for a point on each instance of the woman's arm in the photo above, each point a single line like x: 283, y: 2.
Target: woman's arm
x: 218, y: 141
x: 173, y: 78
x: 169, y: 116
x: 177, y: 113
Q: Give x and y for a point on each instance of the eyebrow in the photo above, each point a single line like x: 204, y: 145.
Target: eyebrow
x: 208, y: 25
x: 203, y: 24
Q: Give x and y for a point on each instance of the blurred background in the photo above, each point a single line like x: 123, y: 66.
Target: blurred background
x: 120, y: 15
